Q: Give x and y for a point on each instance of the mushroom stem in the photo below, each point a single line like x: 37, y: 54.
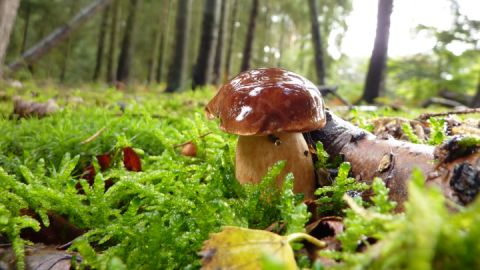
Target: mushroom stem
x: 255, y: 154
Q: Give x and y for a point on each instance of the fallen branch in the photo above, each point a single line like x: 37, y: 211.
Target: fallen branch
x: 425, y: 116
x: 188, y: 142
x: 392, y: 160
x: 58, y: 35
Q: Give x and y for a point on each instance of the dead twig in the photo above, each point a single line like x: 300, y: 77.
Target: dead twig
x: 185, y: 143
x: 425, y: 116
x: 94, y: 136
x: 139, y: 115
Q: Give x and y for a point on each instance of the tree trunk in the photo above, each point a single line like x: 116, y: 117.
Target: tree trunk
x: 101, y: 44
x: 125, y: 58
x: 8, y: 12
x: 152, y: 57
x: 58, y: 35
x: 476, y: 99
x: 204, y: 66
x: 317, y: 41
x: 26, y: 27
x: 67, y: 45
x: 163, y: 40
x: 231, y: 40
x: 219, y: 52
x: 247, y: 51
x: 264, y: 39
x: 376, y: 71
x: 113, y: 43
x: 177, y: 72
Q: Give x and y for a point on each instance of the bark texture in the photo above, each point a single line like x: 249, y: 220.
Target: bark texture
x: 222, y: 34
x: 317, y: 41
x: 394, y: 161
x: 163, y: 40
x: 112, y: 43
x: 231, y: 40
x: 204, y: 66
x: 376, y: 71
x: 101, y: 44
x: 8, y: 13
x: 125, y: 58
x: 247, y: 50
x: 177, y: 72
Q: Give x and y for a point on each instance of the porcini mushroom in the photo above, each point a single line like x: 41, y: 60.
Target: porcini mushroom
x: 269, y: 108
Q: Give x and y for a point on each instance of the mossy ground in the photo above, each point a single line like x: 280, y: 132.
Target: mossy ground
x: 158, y: 218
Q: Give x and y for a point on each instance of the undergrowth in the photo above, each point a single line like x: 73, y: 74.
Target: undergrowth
x: 159, y: 218
x: 154, y: 219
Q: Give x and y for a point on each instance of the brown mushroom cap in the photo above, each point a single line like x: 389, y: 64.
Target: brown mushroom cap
x: 267, y: 100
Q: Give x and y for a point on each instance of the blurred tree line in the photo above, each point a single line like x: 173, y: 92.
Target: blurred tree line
x: 184, y: 44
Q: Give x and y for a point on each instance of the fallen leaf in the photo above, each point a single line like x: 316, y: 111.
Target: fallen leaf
x: 240, y: 248
x: 104, y: 161
x: 131, y: 160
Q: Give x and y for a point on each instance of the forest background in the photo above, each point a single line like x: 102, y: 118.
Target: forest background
x: 183, y: 44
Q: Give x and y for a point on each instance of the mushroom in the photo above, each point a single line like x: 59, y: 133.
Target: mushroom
x: 269, y: 108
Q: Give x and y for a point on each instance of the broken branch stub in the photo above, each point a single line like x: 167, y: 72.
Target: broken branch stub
x: 390, y: 159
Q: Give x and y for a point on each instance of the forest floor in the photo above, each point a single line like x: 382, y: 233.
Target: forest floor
x: 139, y: 179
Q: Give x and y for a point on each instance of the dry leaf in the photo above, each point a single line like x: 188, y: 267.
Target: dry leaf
x: 131, y: 160
x: 240, y: 248
x: 104, y: 161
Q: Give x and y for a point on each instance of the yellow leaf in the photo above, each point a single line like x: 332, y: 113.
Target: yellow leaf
x: 240, y: 248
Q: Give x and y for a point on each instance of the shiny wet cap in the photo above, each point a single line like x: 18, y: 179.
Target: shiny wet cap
x: 267, y: 100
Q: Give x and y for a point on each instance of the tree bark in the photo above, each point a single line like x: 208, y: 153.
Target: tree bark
x: 177, y: 72
x: 26, y: 27
x: 204, y: 66
x: 231, y: 40
x: 8, y: 13
x: 476, y: 99
x: 374, y: 83
x: 395, y: 160
x: 101, y: 44
x: 125, y: 58
x: 247, y: 51
x: 163, y: 40
x: 219, y: 51
x: 264, y: 39
x: 58, y: 35
x: 113, y: 43
x: 66, y: 47
x: 317, y: 41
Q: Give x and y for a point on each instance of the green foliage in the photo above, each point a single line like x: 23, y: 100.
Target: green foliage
x: 157, y: 218
x: 407, y: 129
x: 322, y: 156
x: 437, y: 131
x: 361, y: 224
x: 330, y: 199
x: 426, y: 236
